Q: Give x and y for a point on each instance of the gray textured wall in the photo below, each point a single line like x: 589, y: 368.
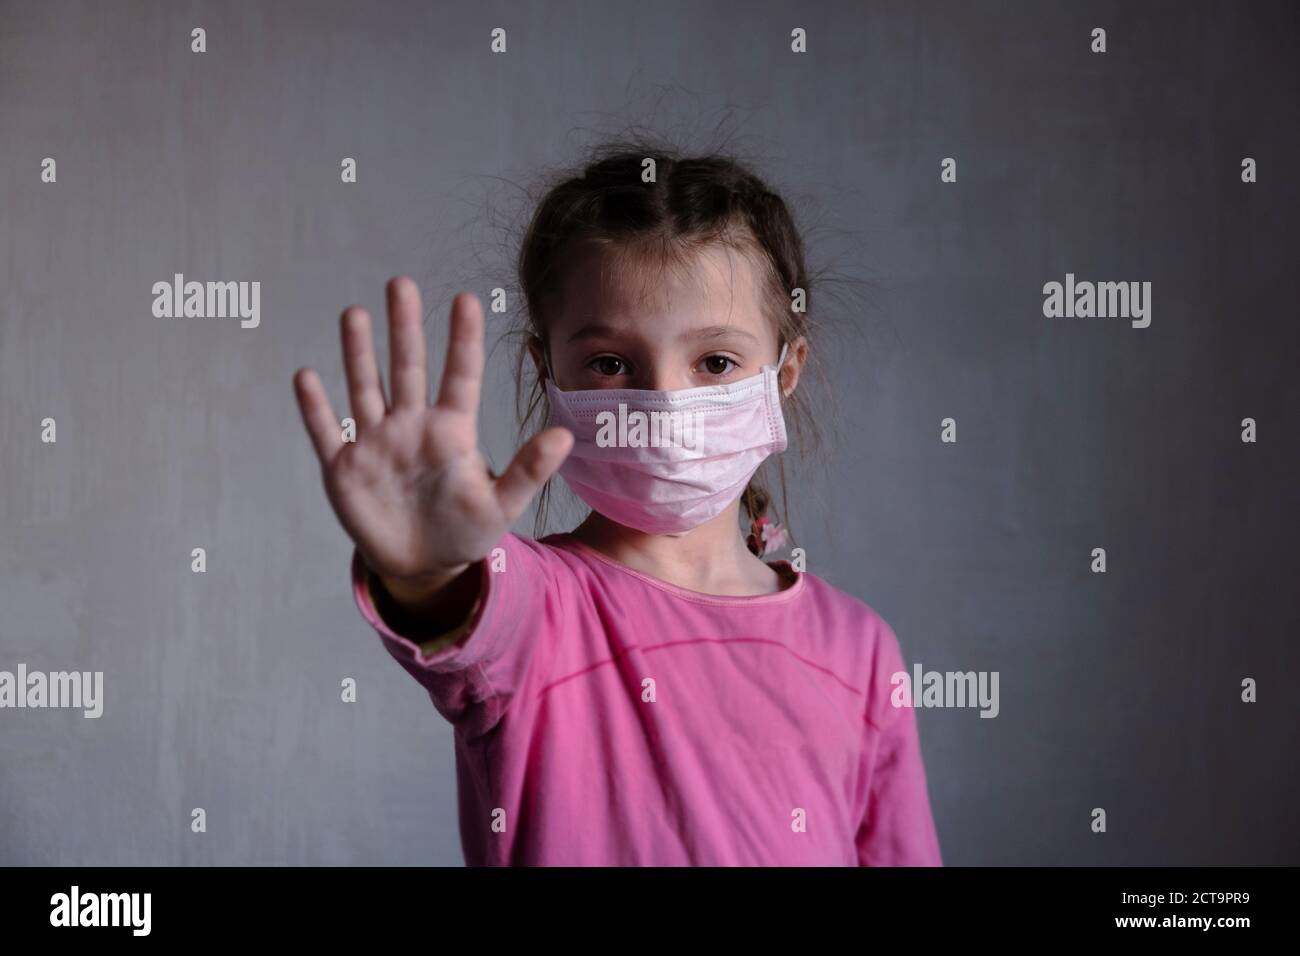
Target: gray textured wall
x: 222, y: 689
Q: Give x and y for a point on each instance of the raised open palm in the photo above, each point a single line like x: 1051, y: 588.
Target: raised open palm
x: 413, y: 490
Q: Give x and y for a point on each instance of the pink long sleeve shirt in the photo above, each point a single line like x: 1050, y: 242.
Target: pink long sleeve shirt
x: 604, y: 717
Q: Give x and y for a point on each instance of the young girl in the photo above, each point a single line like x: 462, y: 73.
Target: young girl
x: 645, y: 690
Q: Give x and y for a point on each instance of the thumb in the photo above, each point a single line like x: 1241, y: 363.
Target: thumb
x: 532, y: 465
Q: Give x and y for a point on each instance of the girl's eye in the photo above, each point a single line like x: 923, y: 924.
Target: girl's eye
x: 718, y: 365
x: 606, y: 365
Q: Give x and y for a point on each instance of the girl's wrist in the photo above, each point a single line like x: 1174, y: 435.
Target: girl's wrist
x: 430, y: 605
x: 414, y: 595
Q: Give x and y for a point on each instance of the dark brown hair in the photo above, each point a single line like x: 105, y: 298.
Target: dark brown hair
x: 693, y: 201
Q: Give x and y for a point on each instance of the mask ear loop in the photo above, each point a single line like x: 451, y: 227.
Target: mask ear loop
x: 767, y: 536
x: 780, y: 363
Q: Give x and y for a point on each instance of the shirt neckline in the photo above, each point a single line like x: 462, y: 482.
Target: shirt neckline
x: 566, y: 540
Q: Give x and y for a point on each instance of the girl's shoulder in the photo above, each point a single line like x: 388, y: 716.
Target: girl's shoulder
x: 842, y: 611
x: 866, y: 645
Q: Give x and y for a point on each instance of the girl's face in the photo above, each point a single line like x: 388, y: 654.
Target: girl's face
x: 679, y: 329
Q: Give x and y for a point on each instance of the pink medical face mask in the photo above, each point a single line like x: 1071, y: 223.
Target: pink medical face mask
x: 664, y: 462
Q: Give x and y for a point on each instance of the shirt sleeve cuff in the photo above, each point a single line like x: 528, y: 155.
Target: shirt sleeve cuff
x: 420, y: 649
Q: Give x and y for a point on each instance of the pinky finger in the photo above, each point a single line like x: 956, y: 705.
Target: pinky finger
x: 317, y: 414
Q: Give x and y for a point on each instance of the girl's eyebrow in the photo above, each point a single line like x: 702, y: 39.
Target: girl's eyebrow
x: 720, y: 331
x: 595, y: 332
x: 710, y: 332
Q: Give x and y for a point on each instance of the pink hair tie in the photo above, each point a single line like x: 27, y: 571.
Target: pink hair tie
x: 766, y: 536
